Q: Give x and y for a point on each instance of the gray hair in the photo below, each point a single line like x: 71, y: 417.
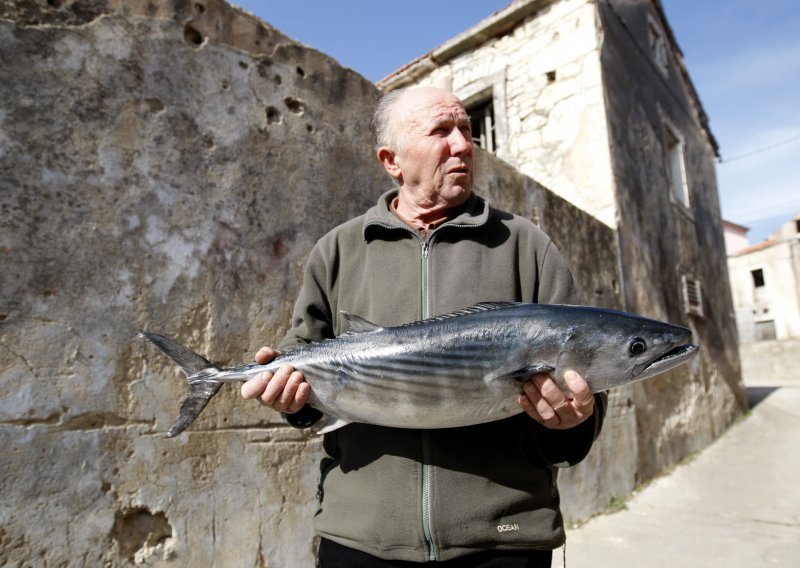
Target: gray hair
x: 381, y: 129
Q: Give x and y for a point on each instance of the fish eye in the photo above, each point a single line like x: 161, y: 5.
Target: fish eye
x: 638, y: 346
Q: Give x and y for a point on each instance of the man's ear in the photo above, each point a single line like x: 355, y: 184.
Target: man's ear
x: 386, y: 157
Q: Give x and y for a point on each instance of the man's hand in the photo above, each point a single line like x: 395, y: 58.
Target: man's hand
x: 285, y: 391
x: 546, y: 403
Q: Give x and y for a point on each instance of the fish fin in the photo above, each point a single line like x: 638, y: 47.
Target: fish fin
x: 525, y: 372
x: 189, y: 361
x: 199, y: 373
x: 200, y: 392
x: 488, y: 306
x: 480, y: 307
x: 330, y: 423
x: 358, y: 324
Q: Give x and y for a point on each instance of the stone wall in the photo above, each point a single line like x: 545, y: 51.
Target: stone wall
x: 770, y: 363
x: 167, y: 165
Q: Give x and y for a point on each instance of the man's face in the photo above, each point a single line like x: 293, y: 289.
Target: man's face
x: 433, y: 147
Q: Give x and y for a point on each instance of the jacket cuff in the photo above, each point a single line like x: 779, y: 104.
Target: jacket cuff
x: 303, y: 418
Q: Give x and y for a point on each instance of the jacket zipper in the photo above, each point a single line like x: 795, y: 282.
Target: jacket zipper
x: 426, y: 485
x: 424, y: 255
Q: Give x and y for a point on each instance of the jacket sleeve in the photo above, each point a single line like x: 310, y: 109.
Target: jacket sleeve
x: 312, y: 317
x: 312, y: 321
x: 564, y: 448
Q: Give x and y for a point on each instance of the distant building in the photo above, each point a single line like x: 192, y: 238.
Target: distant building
x: 765, y: 281
x: 735, y: 237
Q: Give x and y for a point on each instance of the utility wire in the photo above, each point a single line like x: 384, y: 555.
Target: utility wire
x: 760, y: 150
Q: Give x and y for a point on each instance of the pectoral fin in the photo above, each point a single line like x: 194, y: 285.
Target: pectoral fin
x: 525, y: 372
x: 330, y: 423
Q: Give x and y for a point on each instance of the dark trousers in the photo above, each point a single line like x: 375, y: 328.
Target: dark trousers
x: 334, y: 555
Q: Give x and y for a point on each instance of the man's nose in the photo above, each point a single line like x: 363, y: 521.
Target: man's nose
x: 459, y: 144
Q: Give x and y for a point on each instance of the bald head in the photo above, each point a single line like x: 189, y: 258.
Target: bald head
x: 395, y: 107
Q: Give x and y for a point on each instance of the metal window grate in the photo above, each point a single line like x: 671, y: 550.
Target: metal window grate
x: 692, y: 293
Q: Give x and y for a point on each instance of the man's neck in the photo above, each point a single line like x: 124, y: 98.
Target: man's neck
x: 423, y: 219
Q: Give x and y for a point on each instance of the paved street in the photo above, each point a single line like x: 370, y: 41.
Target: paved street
x: 736, y: 505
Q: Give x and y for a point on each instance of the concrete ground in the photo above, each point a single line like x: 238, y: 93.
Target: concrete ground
x: 736, y: 505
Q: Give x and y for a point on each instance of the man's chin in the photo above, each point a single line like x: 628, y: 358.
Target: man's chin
x: 457, y: 193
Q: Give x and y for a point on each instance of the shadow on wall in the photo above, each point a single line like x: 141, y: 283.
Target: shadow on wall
x: 757, y: 395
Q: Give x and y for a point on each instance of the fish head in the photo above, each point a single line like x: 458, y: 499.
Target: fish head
x: 611, y: 348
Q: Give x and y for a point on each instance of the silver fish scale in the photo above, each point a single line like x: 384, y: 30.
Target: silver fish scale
x: 419, y: 376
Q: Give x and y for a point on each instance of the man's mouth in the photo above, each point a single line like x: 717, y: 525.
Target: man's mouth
x: 459, y: 170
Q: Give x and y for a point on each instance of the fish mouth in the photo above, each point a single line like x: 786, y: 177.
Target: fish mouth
x: 669, y: 360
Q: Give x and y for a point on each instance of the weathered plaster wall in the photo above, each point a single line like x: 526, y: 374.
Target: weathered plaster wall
x: 544, y: 77
x: 167, y: 166
x: 660, y: 240
x: 770, y: 363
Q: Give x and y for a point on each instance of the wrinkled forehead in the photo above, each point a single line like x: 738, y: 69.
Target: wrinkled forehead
x: 422, y: 107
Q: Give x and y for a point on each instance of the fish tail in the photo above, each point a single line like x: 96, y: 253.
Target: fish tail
x: 200, y: 375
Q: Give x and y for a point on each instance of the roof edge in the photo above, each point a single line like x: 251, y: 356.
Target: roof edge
x: 499, y: 23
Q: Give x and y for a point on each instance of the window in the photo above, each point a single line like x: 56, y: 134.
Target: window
x: 481, y: 117
x: 760, y: 291
x: 676, y: 167
x: 658, y: 46
x: 692, y: 294
x: 765, y: 330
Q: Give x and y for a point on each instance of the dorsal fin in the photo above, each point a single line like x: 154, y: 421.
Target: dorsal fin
x: 486, y: 306
x: 358, y: 324
x: 480, y: 307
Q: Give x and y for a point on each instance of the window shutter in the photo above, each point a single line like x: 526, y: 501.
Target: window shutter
x: 692, y: 293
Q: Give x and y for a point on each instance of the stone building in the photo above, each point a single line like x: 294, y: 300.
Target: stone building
x: 592, y: 99
x: 168, y: 166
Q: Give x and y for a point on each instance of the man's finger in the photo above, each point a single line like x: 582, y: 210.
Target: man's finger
x: 287, y: 397
x: 255, y: 386
x: 300, y: 397
x: 541, y: 410
x: 265, y: 355
x: 549, y: 390
x: 582, y: 396
x: 275, y: 386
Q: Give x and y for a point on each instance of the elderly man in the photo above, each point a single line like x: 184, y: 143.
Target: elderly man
x: 481, y: 495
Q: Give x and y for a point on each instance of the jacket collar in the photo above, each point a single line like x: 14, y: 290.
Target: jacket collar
x: 475, y: 213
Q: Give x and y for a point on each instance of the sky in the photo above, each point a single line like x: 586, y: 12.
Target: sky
x: 743, y: 57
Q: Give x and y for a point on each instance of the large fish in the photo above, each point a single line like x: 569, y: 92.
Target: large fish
x: 452, y: 370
